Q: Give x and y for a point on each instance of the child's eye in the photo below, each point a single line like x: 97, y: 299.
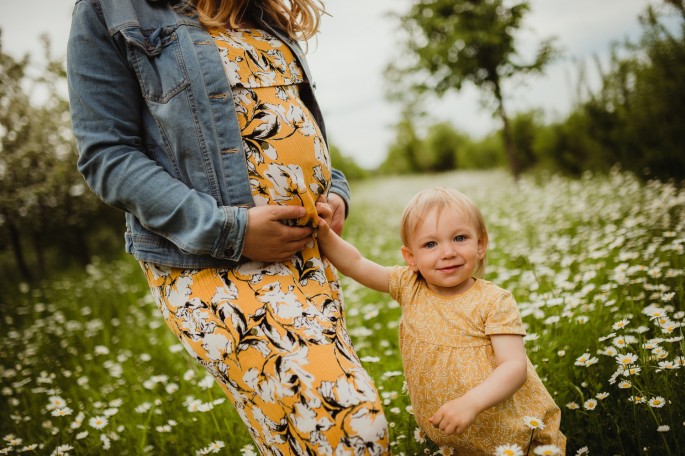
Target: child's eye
x: 430, y: 244
x: 460, y: 238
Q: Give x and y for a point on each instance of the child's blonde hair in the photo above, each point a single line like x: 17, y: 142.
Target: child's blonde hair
x: 441, y: 199
x: 298, y: 18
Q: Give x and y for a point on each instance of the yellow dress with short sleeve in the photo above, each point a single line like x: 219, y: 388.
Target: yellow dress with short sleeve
x: 273, y: 334
x: 446, y: 351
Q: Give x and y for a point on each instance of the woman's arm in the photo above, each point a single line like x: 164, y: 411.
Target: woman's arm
x: 106, y: 105
x: 347, y: 259
x: 455, y: 416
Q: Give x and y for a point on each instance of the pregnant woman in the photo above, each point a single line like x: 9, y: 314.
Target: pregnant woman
x: 198, y: 119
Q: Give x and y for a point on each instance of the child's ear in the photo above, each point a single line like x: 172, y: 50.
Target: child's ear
x: 482, y: 247
x: 409, y: 258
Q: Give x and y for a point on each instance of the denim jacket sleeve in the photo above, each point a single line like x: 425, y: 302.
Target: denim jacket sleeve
x: 340, y: 187
x: 106, y: 109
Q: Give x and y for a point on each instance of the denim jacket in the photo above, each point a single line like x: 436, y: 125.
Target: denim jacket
x: 156, y: 129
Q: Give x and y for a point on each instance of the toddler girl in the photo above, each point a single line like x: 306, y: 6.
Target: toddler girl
x: 461, y: 337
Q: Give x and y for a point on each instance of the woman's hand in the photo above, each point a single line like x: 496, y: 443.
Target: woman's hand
x: 268, y: 239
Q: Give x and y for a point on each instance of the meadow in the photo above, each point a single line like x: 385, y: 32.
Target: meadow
x: 596, y: 265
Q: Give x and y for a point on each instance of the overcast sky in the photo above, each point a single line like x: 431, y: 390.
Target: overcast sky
x: 356, y: 43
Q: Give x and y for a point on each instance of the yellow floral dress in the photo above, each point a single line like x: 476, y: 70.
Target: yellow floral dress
x: 446, y: 351
x: 273, y: 334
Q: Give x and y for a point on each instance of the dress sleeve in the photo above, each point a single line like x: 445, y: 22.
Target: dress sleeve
x: 395, y: 282
x: 503, y: 316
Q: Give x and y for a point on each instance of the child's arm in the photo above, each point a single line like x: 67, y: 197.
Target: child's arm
x: 454, y: 416
x: 348, y: 260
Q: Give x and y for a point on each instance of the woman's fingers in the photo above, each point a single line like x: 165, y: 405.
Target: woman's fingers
x: 269, y: 238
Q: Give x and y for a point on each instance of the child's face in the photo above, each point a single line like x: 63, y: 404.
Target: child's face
x: 446, y: 250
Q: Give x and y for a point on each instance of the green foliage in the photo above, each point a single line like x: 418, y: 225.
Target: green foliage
x: 646, y: 98
x: 47, y: 216
x: 441, y: 145
x: 436, y: 151
x: 403, y: 154
x: 486, y: 153
x: 569, y: 147
x: 442, y: 148
x: 636, y: 118
x: 448, y: 43
x: 452, y: 42
x: 525, y: 129
x: 346, y: 164
x: 95, y: 347
x: 580, y: 256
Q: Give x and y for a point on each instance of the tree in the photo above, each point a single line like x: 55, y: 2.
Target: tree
x: 525, y: 127
x: 485, y: 153
x: 450, y: 42
x: 404, y: 151
x: 14, y: 130
x: 646, y: 93
x: 44, y: 205
x: 441, y: 147
x: 436, y: 150
x: 346, y: 164
x: 636, y: 118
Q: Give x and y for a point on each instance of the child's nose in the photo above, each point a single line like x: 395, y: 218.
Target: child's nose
x: 449, y: 250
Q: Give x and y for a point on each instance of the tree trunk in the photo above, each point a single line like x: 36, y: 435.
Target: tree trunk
x: 40, y: 253
x: 79, y: 246
x: 509, y: 146
x: 74, y: 236
x: 19, y: 252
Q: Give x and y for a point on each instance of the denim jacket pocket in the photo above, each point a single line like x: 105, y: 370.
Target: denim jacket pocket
x: 158, y: 62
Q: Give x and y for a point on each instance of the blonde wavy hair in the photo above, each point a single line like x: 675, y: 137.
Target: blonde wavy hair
x: 300, y: 19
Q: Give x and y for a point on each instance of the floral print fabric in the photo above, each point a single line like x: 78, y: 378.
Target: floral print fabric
x: 446, y: 351
x: 287, y: 158
x: 273, y: 334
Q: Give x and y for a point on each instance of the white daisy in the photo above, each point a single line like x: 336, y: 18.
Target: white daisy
x: 63, y: 411
x: 626, y: 359
x: 56, y: 402
x: 547, y: 450
x: 657, y: 402
x: 621, y: 324
x: 533, y: 422
x: 98, y: 422
x: 508, y: 450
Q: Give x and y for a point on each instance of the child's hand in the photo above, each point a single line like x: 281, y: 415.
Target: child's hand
x: 323, y: 209
x: 454, y: 416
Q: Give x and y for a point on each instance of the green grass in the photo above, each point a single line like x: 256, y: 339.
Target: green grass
x: 579, y: 255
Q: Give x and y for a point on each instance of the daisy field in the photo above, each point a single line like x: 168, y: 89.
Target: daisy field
x: 596, y: 265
